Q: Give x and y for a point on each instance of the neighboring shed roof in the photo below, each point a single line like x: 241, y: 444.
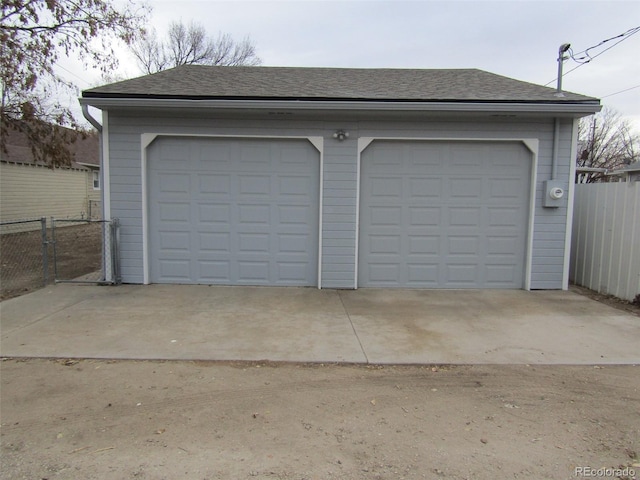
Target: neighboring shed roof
x: 293, y: 83
x: 86, y: 150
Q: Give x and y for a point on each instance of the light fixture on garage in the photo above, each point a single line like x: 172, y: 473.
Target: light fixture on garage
x: 341, y: 135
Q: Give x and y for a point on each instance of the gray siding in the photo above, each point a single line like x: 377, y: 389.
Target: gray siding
x: 339, y: 209
x: 340, y: 177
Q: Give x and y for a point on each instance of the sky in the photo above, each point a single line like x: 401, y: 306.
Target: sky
x: 514, y: 38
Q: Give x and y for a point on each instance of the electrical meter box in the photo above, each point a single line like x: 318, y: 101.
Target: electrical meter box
x: 554, y: 194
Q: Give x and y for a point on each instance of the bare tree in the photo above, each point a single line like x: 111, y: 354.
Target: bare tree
x: 190, y: 44
x: 606, y: 141
x: 34, y: 34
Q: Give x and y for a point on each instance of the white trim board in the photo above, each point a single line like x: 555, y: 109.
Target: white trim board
x: 146, y: 139
x: 570, y: 199
x: 104, y: 168
x: 532, y: 144
x: 105, y: 193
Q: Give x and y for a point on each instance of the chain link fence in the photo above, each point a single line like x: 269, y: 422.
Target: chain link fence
x: 23, y: 256
x: 36, y: 252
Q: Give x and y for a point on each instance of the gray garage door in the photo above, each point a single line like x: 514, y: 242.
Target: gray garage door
x: 233, y: 211
x: 444, y: 214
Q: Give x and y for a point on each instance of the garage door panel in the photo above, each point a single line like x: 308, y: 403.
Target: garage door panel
x: 255, y: 156
x: 384, y: 274
x: 424, y: 187
x: 255, y: 185
x: 214, y: 214
x: 386, y: 158
x: 464, y: 217
x: 465, y: 189
x: 385, y: 244
x: 292, y: 272
x: 206, y: 152
x: 294, y: 214
x: 219, y: 185
x: 505, y: 217
x: 425, y: 216
x: 214, y: 271
x: 505, y: 188
x: 385, y: 187
x: 252, y: 271
x: 174, y: 241
x: 466, y: 156
x: 501, y: 245
x: 175, y: 269
x: 171, y: 156
x: 423, y: 274
x: 419, y: 160
x: 238, y: 212
x: 253, y: 243
x: 214, y: 242
x: 498, y: 276
x: 254, y: 215
x: 461, y: 245
x: 293, y: 187
x: 174, y: 183
x: 381, y: 216
x: 424, y: 244
x: 174, y: 212
x: 461, y: 221
x: 462, y: 275
x: 294, y: 243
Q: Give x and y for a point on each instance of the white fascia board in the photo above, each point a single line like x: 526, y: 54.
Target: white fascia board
x: 350, y: 105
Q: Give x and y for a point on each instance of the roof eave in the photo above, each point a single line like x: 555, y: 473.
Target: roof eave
x: 583, y: 108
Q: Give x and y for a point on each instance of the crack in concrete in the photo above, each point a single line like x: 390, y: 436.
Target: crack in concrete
x: 366, y: 358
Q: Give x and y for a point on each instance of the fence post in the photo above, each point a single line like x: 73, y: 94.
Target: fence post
x: 114, y: 230
x: 45, y: 251
x: 53, y: 240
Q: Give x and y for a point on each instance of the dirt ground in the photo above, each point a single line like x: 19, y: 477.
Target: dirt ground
x: 629, y: 307
x: 78, y: 252
x: 95, y: 419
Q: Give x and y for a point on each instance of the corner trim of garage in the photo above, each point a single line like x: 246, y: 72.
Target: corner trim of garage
x: 532, y: 144
x: 146, y: 139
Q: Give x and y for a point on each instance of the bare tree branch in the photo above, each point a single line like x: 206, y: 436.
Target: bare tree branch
x: 606, y: 141
x: 33, y: 34
x: 189, y: 45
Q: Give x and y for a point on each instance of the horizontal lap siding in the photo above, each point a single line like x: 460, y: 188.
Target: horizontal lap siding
x: 339, y: 210
x: 30, y: 191
x: 340, y: 179
x: 549, y: 233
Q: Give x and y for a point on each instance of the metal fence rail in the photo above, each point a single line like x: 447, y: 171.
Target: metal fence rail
x: 36, y: 252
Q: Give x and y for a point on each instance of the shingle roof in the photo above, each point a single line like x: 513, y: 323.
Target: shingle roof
x: 297, y: 83
x: 85, y: 150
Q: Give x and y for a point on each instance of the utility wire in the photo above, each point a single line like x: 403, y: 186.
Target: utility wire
x: 621, y: 91
x: 71, y: 73
x: 588, y: 57
x: 623, y: 36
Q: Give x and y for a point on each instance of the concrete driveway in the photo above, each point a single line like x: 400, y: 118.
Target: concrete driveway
x: 310, y: 325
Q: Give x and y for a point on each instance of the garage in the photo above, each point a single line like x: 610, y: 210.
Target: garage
x: 437, y: 214
x: 339, y: 178
x: 233, y: 211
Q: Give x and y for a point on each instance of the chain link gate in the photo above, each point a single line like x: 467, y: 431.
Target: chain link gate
x: 85, y: 251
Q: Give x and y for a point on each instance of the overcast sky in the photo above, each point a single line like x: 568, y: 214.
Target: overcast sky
x: 518, y: 39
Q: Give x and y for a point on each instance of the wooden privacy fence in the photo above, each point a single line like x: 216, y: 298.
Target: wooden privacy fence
x: 605, y: 246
